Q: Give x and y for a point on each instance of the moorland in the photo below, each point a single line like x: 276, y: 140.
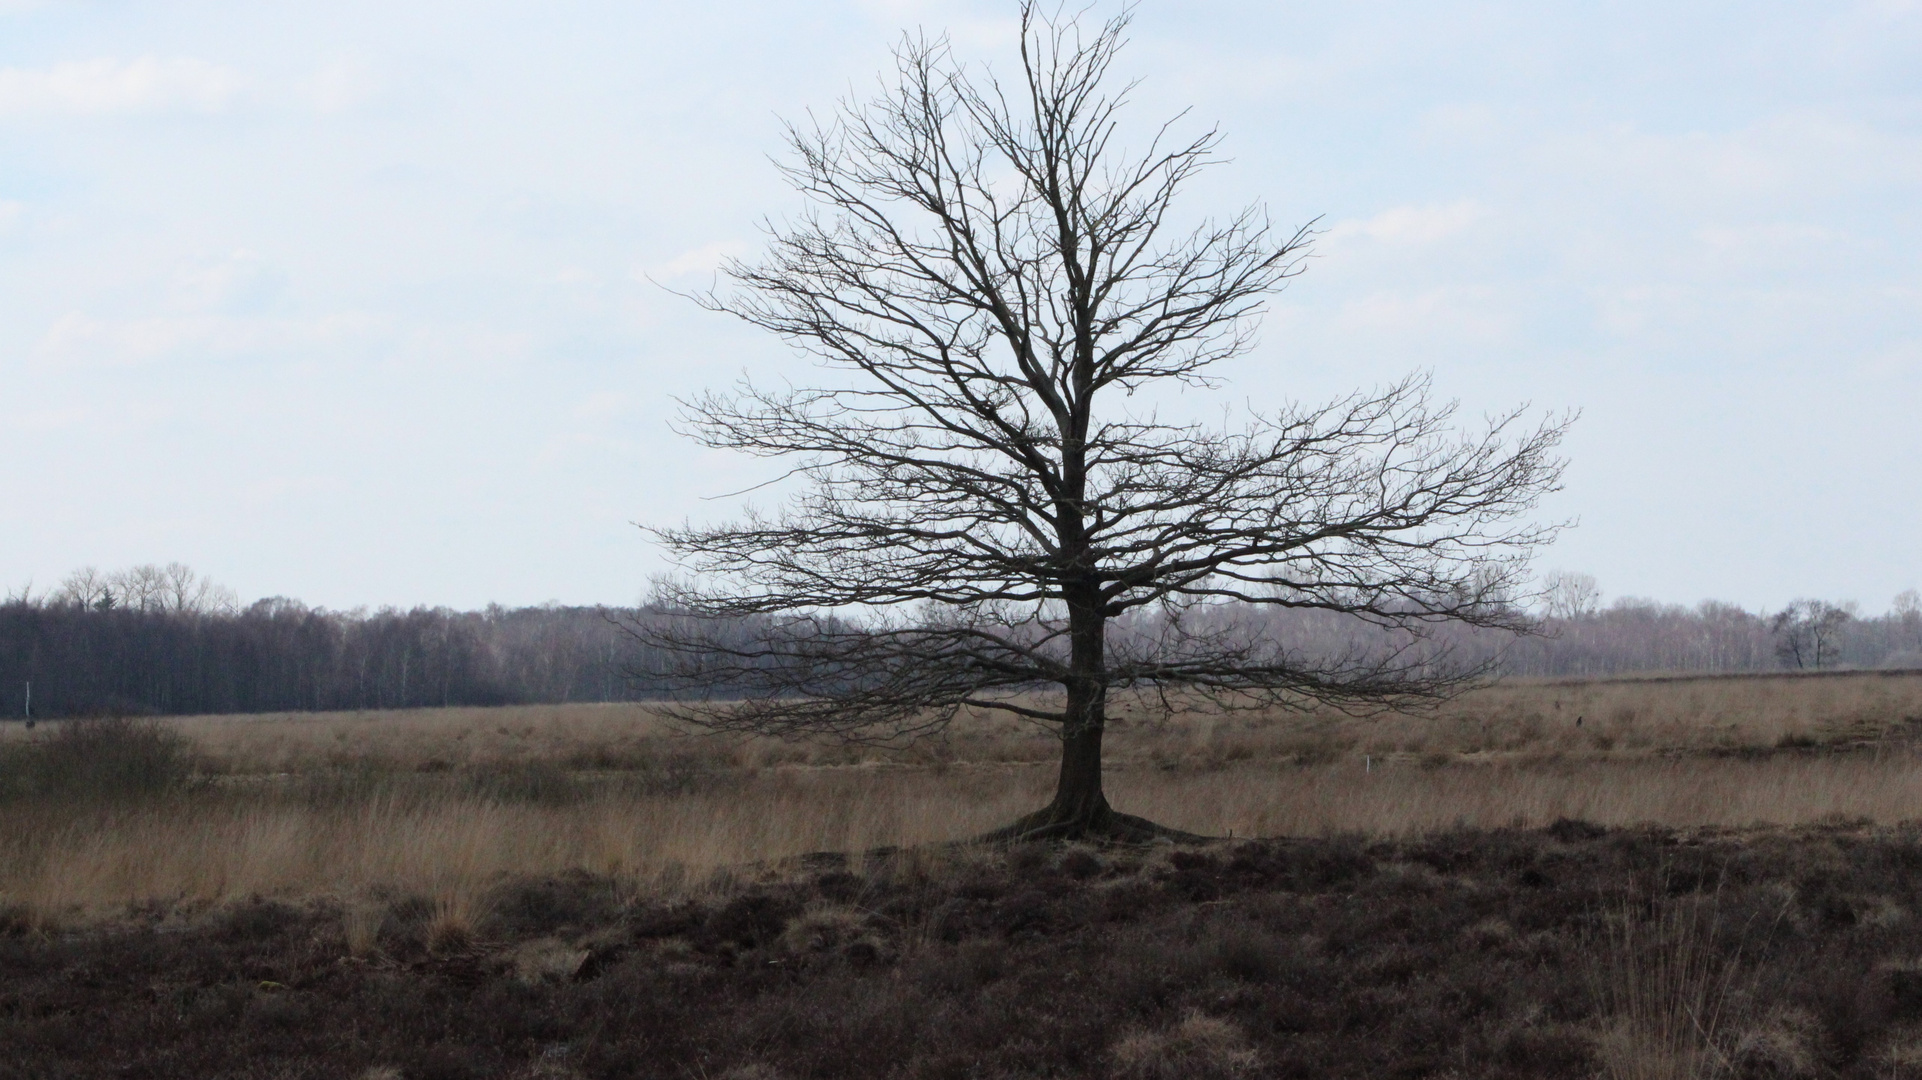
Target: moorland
x: 1627, y: 877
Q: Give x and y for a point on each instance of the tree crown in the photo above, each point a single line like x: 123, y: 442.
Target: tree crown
x: 986, y: 275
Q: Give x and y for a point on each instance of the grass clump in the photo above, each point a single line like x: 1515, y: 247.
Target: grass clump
x: 1199, y: 1046
x: 1664, y: 986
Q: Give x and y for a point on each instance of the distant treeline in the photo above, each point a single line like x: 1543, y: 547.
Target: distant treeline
x: 1633, y: 636
x: 277, y: 655
x: 194, y: 651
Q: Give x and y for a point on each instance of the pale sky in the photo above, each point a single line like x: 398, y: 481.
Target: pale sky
x: 349, y: 301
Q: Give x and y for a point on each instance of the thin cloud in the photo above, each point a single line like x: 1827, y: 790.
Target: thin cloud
x: 1797, y: 158
x: 342, y: 85
x: 1411, y: 225
x: 108, y: 86
x: 946, y: 18
x: 1462, y: 313
x: 238, y: 284
x: 701, y: 260
x: 82, y: 341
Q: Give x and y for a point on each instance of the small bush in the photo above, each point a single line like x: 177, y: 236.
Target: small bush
x: 538, y: 906
x: 104, y: 759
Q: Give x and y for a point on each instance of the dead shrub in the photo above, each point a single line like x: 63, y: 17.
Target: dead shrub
x: 822, y: 927
x: 1782, y: 1048
x: 834, y: 929
x: 546, y: 960
x: 750, y: 921
x: 1198, y: 1047
x: 360, y: 926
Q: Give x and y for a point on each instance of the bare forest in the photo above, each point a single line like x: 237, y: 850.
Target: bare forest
x: 276, y: 655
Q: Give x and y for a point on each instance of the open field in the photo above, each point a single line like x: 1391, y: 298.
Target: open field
x: 1521, y: 719
x: 586, y: 891
x: 443, y: 802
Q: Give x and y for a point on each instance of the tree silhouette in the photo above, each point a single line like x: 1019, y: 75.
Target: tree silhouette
x: 987, y: 278
x: 1808, y: 633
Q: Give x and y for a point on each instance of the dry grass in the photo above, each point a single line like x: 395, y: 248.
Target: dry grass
x: 449, y: 847
x: 1527, y: 718
x: 1664, y: 988
x: 440, y: 804
x: 1401, y: 801
x: 1199, y: 1047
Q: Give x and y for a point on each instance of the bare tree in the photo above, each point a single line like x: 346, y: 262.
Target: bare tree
x: 1905, y: 613
x: 143, y: 587
x: 987, y: 279
x: 182, y: 590
x: 175, y: 588
x: 1569, y: 595
x: 86, y: 587
x: 1808, y: 633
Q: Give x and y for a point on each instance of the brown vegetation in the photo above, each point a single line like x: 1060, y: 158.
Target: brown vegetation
x: 445, y: 802
x: 1522, y: 718
x: 586, y: 892
x: 1570, y: 951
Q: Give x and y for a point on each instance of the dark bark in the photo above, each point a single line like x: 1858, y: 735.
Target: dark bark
x: 1080, y: 810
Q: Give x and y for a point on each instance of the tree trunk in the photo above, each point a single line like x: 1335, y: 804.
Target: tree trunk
x: 1080, y: 810
x: 1077, y: 794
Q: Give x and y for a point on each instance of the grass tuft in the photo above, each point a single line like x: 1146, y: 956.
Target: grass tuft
x: 1664, y: 983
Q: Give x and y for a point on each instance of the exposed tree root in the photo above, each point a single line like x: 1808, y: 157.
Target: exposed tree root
x: 1096, y: 822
